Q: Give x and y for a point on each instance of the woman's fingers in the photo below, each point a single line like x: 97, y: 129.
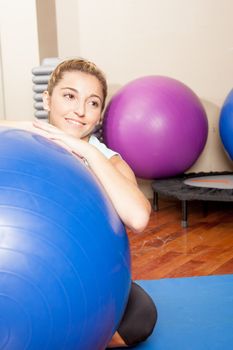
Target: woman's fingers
x: 47, y: 127
x: 51, y: 132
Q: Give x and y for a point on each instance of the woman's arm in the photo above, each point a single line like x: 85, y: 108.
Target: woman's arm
x: 115, y: 176
x: 24, y: 124
x: 119, y: 182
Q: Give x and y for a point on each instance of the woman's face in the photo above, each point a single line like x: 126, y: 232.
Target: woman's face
x: 75, y: 104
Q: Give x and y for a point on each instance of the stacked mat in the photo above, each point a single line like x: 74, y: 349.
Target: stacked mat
x: 40, y: 79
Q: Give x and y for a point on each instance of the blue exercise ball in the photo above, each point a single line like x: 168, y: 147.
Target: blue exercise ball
x: 226, y: 124
x: 64, y: 253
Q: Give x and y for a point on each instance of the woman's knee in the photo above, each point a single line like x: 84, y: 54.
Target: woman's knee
x: 139, y: 318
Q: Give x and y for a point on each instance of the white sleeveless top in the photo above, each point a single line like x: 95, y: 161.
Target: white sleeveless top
x: 102, y: 147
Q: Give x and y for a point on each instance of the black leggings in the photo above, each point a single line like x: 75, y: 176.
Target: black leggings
x: 139, y: 318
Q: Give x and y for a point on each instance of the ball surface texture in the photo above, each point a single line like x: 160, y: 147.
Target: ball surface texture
x: 157, y: 124
x: 226, y: 124
x: 64, y: 254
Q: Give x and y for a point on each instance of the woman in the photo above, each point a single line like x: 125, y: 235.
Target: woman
x: 75, y: 99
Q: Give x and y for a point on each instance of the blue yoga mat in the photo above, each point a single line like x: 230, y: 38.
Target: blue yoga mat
x: 194, y: 313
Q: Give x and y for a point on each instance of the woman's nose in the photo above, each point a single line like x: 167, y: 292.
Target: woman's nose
x: 79, y: 108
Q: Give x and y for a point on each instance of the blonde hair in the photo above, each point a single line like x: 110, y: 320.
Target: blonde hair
x: 80, y: 65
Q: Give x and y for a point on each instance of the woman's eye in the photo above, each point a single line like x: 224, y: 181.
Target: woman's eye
x: 69, y: 96
x: 94, y: 103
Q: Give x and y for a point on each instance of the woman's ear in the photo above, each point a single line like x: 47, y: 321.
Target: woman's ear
x: 46, y: 101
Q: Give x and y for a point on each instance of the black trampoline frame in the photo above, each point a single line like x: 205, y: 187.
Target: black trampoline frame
x: 175, y: 187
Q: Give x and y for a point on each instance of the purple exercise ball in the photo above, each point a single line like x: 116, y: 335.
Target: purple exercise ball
x: 157, y: 124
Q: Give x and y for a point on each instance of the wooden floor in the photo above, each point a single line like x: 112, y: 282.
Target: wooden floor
x: 165, y: 249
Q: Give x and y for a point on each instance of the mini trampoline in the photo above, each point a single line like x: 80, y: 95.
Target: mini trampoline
x: 214, y: 186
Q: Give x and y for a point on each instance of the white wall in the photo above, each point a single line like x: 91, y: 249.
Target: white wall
x: 46, y: 28
x: 190, y: 40
x: 19, y: 52
x: 2, y: 102
x: 67, y: 14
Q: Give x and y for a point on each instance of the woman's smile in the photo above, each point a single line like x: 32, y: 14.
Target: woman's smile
x: 75, y: 122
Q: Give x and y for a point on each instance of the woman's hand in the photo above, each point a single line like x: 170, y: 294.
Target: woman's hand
x: 51, y: 132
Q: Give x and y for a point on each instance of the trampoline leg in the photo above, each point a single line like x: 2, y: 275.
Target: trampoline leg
x: 155, y: 201
x: 184, y: 222
x: 205, y: 208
